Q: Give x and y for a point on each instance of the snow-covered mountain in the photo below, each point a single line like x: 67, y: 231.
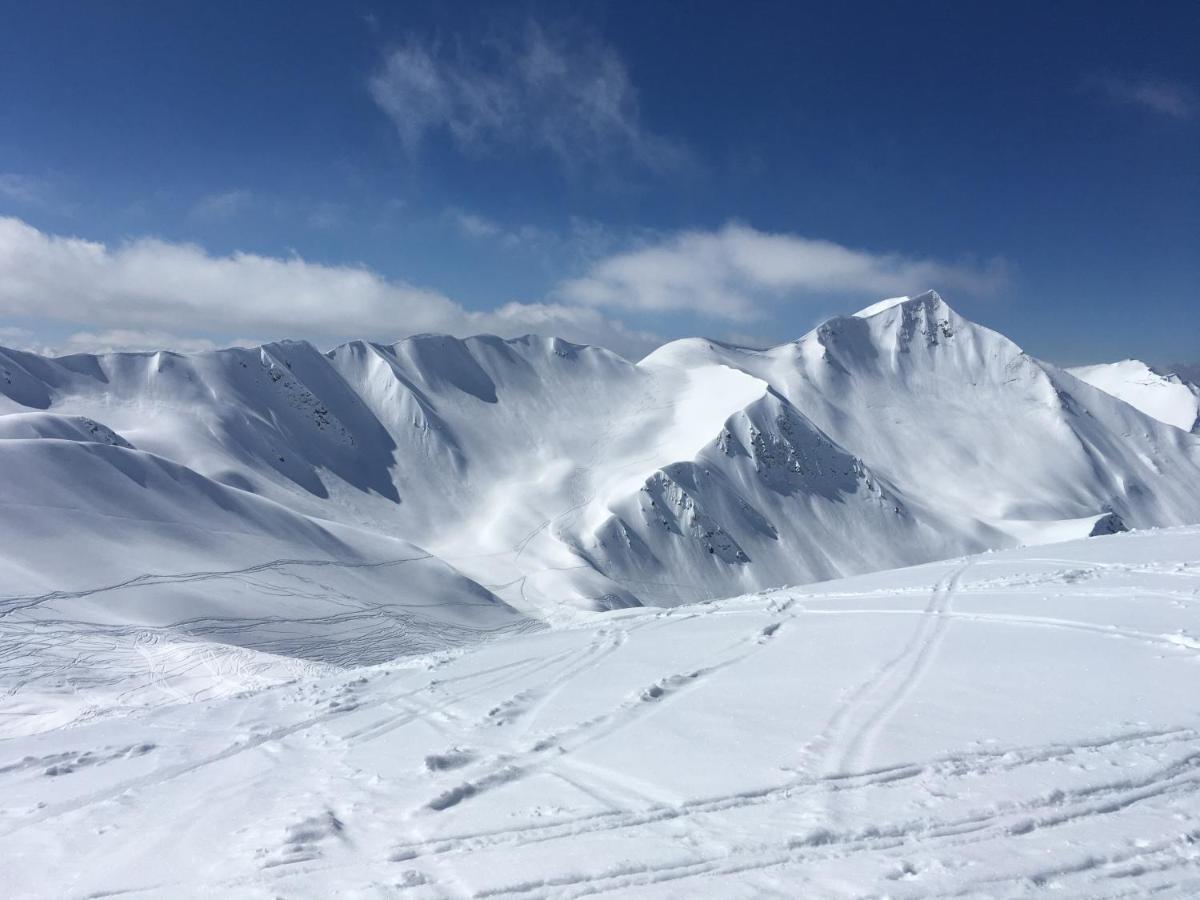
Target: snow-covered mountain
x: 1165, y: 396
x: 554, y: 476
x: 275, y: 621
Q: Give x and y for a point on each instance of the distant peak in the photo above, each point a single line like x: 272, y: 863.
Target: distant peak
x: 923, y: 299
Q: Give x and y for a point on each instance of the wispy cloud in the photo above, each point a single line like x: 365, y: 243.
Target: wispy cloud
x: 150, y: 285
x: 46, y: 192
x: 737, y: 273
x: 473, y: 225
x: 222, y: 206
x: 1157, y: 95
x: 570, y: 246
x: 531, y: 240
x: 23, y: 189
x: 326, y: 216
x: 570, y: 96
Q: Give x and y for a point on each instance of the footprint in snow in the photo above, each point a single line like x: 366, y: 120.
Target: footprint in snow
x: 346, y: 699
x: 904, y: 872
x: 454, y: 758
x: 469, y: 789
x: 411, y: 878
x: 512, y: 709
x: 302, y: 841
x: 65, y: 763
x: 664, y: 686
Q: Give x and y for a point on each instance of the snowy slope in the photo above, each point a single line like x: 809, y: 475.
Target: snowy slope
x: 563, y: 477
x: 1167, y: 398
x: 273, y: 621
x: 964, y: 423
x: 1013, y: 724
x: 130, y: 580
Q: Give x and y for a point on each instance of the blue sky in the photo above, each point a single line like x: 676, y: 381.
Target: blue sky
x: 196, y: 174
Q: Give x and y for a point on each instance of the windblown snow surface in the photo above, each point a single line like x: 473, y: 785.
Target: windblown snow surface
x: 1010, y: 724
x: 444, y: 618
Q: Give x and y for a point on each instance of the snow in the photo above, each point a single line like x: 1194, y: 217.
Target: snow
x: 1015, y: 723
x: 702, y: 399
x: 450, y: 618
x: 129, y: 581
x: 1165, y: 397
x: 884, y: 305
x: 985, y: 444
x: 562, y: 478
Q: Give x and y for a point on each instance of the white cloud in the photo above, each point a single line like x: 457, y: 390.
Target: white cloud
x: 222, y: 206
x: 570, y: 97
x: 1157, y: 95
x: 737, y: 272
x: 150, y: 285
x: 154, y: 294
x: 125, y: 339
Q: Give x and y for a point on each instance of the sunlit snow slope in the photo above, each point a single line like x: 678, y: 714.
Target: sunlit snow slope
x: 128, y: 580
x: 1013, y: 724
x: 559, y: 477
x: 1167, y: 398
x: 277, y: 622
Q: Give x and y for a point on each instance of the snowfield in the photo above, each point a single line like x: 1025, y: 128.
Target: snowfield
x: 451, y: 618
x: 1021, y: 723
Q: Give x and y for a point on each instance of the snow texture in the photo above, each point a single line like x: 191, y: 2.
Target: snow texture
x: 443, y: 618
x: 1011, y: 724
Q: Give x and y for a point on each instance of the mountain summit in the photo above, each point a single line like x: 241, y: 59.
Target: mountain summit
x: 553, y: 477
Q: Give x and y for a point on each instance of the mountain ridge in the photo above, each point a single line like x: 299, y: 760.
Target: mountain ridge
x: 565, y: 477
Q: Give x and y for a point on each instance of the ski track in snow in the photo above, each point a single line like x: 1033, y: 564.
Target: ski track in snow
x: 9, y: 605
x: 856, y: 725
x: 136, y: 665
x: 617, y: 757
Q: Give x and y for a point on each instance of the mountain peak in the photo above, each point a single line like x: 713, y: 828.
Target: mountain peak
x: 1165, y: 397
x: 928, y: 298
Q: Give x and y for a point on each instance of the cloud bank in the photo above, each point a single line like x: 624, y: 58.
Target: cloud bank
x: 154, y: 294
x: 114, y: 293
x: 739, y: 273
